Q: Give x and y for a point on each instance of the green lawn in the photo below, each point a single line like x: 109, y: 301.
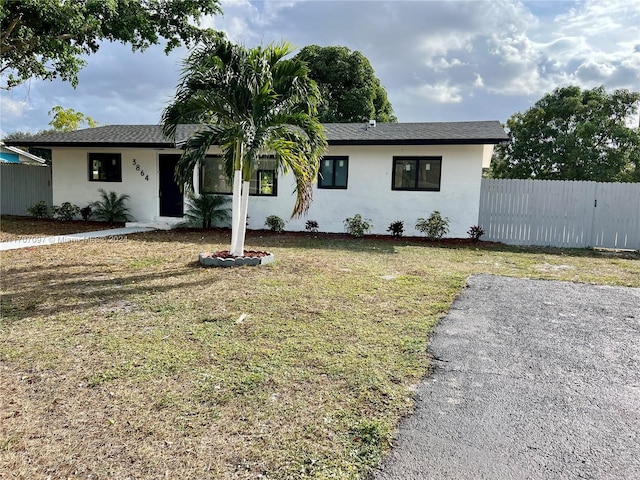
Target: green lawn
x: 125, y: 359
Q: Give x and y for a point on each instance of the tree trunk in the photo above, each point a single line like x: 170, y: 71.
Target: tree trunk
x: 242, y: 230
x: 237, y: 191
x: 235, y: 210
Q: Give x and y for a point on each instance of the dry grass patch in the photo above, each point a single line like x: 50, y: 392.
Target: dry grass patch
x: 127, y: 360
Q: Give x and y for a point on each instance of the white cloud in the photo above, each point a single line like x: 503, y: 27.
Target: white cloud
x: 442, y: 64
x: 441, y: 93
x: 12, y: 108
x: 592, y: 71
x: 598, y: 18
x: 441, y: 43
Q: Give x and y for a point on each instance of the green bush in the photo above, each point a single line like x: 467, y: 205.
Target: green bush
x: 435, y: 227
x: 86, y: 212
x: 66, y: 211
x: 39, y: 210
x: 112, y: 208
x: 207, y: 210
x: 357, y: 226
x: 275, y: 223
x: 475, y: 232
x: 311, y: 226
x: 396, y: 228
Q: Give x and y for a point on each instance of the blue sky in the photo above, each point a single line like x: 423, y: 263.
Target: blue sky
x: 438, y: 60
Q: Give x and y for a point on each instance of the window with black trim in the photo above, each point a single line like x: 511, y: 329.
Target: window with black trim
x: 105, y: 167
x: 334, y: 172
x: 264, y: 179
x: 416, y: 173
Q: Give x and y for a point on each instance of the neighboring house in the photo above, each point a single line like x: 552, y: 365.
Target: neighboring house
x: 16, y: 155
x: 385, y: 172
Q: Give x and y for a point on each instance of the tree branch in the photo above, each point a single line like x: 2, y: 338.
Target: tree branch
x: 10, y: 28
x: 25, y: 43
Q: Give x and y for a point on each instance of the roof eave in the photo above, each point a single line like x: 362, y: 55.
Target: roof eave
x: 457, y: 141
x: 20, y: 152
x: 95, y: 144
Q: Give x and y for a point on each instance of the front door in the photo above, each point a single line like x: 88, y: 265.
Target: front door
x: 171, y: 199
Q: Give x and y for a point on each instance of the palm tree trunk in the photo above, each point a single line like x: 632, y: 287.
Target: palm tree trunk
x: 242, y: 227
x: 237, y: 191
x: 235, y: 210
x: 238, y: 246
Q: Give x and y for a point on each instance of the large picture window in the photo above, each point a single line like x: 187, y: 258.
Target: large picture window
x: 264, y: 180
x: 105, y: 167
x: 416, y: 173
x: 334, y: 172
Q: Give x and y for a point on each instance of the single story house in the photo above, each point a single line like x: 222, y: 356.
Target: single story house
x: 10, y: 154
x: 384, y: 171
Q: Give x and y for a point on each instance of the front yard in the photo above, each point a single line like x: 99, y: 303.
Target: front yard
x: 124, y: 359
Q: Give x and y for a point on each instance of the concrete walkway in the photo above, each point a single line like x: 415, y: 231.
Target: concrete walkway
x: 113, y: 234
x: 533, y: 379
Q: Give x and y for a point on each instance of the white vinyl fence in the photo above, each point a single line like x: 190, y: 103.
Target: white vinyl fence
x: 22, y: 186
x: 561, y: 213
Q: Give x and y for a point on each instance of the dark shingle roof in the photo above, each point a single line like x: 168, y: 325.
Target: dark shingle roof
x: 432, y: 133
x: 415, y: 133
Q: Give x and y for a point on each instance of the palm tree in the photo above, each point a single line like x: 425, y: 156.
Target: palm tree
x: 248, y: 102
x: 112, y: 208
x: 206, y: 210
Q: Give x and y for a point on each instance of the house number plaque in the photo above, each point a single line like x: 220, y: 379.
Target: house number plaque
x: 140, y: 170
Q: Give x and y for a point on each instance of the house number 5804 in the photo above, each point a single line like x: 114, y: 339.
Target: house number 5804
x: 140, y: 170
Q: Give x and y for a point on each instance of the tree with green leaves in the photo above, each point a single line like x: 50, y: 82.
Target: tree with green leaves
x: 248, y: 102
x: 68, y: 120
x: 46, y: 38
x: 573, y: 134
x: 350, y: 90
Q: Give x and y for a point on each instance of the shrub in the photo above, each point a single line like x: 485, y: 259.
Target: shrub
x: 275, y: 223
x: 357, y: 226
x: 396, y: 228
x: 207, y: 210
x: 39, y: 210
x: 435, y: 227
x: 66, y: 211
x: 112, y: 208
x: 311, y: 226
x: 86, y: 212
x: 475, y: 232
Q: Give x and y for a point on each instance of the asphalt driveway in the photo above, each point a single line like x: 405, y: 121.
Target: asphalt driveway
x: 532, y: 379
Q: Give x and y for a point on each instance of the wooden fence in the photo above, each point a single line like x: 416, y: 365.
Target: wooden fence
x: 22, y: 186
x: 561, y: 213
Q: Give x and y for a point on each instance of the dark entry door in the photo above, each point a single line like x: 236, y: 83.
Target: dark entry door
x: 171, y: 199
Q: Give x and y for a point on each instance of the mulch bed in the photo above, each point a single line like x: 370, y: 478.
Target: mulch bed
x: 247, y: 254
x: 385, y: 238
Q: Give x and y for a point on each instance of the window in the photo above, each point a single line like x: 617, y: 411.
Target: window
x: 105, y: 167
x: 267, y: 183
x: 333, y: 172
x: 416, y: 173
x: 212, y: 176
x: 264, y: 180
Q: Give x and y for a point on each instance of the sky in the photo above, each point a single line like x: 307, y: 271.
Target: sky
x: 438, y: 60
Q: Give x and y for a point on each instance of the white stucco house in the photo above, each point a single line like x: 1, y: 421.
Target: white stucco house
x: 385, y: 172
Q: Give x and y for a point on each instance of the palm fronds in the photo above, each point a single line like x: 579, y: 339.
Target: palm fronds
x: 207, y: 210
x: 255, y: 98
x: 112, y: 208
